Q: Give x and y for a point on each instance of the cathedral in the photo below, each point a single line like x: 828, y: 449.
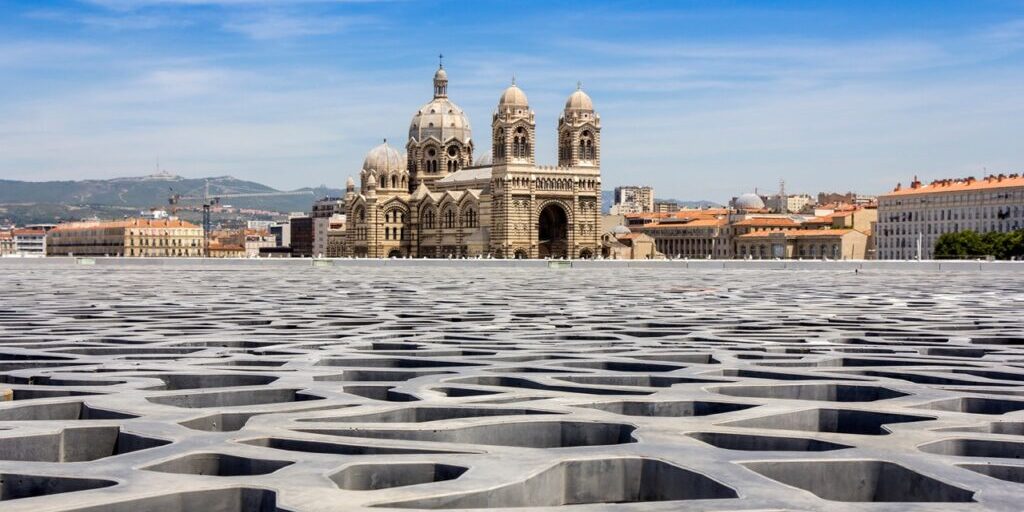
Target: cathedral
x: 436, y: 201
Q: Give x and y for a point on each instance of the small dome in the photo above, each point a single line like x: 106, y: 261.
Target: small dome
x: 579, y: 100
x: 384, y: 159
x: 748, y: 201
x: 441, y: 74
x: 620, y: 230
x: 513, y: 97
x: 371, y: 181
x: 350, y: 183
x: 483, y: 161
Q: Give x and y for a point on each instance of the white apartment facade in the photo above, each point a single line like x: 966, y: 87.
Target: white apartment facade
x: 920, y: 214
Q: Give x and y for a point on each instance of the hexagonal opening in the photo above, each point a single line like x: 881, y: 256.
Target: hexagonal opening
x: 372, y: 477
x: 669, y: 409
x: 861, y: 481
x: 817, y: 392
x: 581, y: 482
x: 840, y: 421
x: 218, y: 464
x: 427, y: 414
x: 16, y: 486
x: 534, y: 434
x: 975, y: 448
x: 75, y: 444
x: 747, y: 442
x: 1000, y: 471
x: 975, y: 405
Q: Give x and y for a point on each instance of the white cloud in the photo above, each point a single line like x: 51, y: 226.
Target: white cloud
x: 280, y: 25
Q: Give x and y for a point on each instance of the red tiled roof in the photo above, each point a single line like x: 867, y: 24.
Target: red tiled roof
x: 148, y: 223
x: 961, y: 185
x: 766, y: 221
x: 799, y: 233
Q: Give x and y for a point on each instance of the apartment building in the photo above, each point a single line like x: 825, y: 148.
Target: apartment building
x: 911, y: 219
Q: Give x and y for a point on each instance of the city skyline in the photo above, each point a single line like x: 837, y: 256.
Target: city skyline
x: 293, y: 93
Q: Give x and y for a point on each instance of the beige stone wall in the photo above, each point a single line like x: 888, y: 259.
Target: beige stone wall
x: 130, y: 241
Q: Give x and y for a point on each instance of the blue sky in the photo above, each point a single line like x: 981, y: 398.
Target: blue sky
x: 703, y: 100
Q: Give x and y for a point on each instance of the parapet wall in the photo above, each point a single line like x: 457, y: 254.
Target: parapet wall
x: 237, y: 264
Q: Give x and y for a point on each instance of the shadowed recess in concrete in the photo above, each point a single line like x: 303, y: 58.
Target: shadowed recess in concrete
x: 427, y: 414
x: 748, y: 442
x: 989, y: 448
x: 306, y: 446
x: 668, y: 409
x: 218, y: 464
x: 60, y: 411
x: 535, y: 434
x: 237, y: 499
x: 581, y: 482
x: 861, y: 480
x: 816, y: 392
x: 76, y: 444
x: 1000, y: 471
x: 372, y: 477
x: 841, y: 421
x: 15, y: 486
x: 233, y: 398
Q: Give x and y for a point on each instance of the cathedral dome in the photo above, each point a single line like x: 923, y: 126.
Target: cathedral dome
x: 513, y: 97
x: 441, y: 119
x: 579, y: 100
x: 384, y: 159
x: 748, y: 201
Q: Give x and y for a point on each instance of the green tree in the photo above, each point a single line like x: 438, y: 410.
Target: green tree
x: 970, y: 244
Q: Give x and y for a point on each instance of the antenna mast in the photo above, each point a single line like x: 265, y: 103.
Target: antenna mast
x: 783, y: 202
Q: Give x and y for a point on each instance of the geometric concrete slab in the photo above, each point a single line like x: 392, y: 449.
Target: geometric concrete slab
x: 174, y: 385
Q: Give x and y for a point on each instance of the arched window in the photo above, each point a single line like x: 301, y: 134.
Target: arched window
x: 499, y: 143
x: 469, y: 218
x: 431, y: 160
x: 449, y: 218
x: 429, y: 218
x: 586, y: 146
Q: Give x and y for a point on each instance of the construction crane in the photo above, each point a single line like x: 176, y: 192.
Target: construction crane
x: 208, y: 201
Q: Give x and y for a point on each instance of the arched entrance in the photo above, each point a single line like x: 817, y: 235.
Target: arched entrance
x: 395, y: 253
x: 521, y: 254
x: 553, y: 232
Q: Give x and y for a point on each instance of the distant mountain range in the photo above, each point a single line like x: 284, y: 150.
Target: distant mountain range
x: 26, y: 202
x: 608, y: 198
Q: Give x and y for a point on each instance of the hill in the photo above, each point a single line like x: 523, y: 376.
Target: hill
x: 25, y: 202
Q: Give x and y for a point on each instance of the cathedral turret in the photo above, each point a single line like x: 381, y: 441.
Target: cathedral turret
x: 440, y: 138
x: 579, y: 132
x: 371, y: 185
x: 513, y: 129
x: 441, y: 83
